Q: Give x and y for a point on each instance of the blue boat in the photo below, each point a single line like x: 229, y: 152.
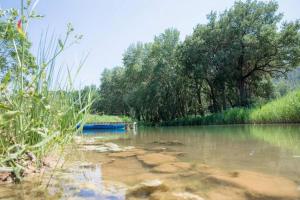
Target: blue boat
x: 103, y: 126
x: 103, y: 131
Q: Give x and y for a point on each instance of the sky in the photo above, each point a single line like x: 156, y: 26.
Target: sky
x: 110, y: 26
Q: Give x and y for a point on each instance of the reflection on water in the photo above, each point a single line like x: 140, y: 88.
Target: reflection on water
x: 87, y: 183
x: 105, y: 131
x: 273, y: 149
x: 265, y: 149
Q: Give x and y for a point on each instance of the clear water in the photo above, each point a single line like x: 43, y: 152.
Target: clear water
x: 272, y: 150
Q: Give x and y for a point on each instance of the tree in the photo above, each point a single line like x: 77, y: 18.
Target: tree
x: 240, y: 49
x: 112, y: 91
x: 258, y: 48
x: 229, y: 61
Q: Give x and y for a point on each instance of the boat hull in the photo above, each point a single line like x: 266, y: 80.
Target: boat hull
x: 103, y: 126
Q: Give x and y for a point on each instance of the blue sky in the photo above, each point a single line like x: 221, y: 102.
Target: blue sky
x: 110, y: 26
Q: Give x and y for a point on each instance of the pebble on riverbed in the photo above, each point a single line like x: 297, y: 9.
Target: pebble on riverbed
x: 106, y: 147
x: 146, y: 188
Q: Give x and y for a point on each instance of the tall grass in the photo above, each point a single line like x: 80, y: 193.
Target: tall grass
x: 93, y: 118
x: 35, y: 117
x: 230, y: 116
x: 282, y: 110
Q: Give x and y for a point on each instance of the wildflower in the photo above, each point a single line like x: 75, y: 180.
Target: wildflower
x: 20, y: 29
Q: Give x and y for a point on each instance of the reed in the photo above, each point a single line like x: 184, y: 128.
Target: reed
x: 282, y: 110
x: 37, y: 110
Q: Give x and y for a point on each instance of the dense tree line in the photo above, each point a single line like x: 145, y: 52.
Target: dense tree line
x: 228, y: 62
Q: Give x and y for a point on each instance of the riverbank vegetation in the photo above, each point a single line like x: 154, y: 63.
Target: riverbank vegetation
x: 93, y: 118
x: 282, y: 110
x: 36, y: 114
x: 228, y: 65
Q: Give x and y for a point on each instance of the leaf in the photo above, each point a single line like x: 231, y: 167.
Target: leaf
x: 6, y: 78
x: 10, y: 114
x: 46, y: 140
x: 5, y: 81
x: 17, y: 172
x: 4, y: 107
x: 61, y: 45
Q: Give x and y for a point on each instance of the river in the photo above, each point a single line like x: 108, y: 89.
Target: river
x: 253, y: 154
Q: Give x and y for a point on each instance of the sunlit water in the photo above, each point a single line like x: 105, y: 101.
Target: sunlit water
x: 267, y: 149
x: 273, y: 149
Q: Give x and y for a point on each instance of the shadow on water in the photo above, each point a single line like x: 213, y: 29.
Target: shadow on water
x: 103, y: 131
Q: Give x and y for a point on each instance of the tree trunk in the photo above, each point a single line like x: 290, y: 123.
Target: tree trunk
x: 199, y: 99
x: 242, y: 93
x: 224, y: 106
x: 213, y: 98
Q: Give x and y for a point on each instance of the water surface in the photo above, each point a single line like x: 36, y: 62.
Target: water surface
x: 268, y: 150
x: 273, y: 149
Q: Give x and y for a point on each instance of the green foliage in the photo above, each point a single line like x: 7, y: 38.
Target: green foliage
x: 230, y: 116
x: 236, y: 53
x: 112, y: 92
x: 282, y: 110
x: 147, y: 87
x: 84, y: 97
x: 92, y: 118
x: 286, y: 84
x: 34, y: 118
x: 229, y: 62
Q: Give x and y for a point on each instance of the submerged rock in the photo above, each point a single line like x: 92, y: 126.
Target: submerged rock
x: 172, y: 167
x: 106, y: 147
x: 187, y: 196
x: 146, y: 188
x: 158, y: 149
x: 111, y: 145
x: 154, y: 159
x: 87, y: 165
x: 227, y: 193
x: 176, y: 153
x: 168, y: 143
x: 258, y: 185
x: 124, y: 154
x: 127, y: 153
x: 188, y: 174
x: 175, y: 196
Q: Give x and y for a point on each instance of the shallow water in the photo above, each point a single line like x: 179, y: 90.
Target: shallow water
x: 266, y: 150
x: 273, y: 149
